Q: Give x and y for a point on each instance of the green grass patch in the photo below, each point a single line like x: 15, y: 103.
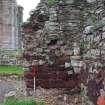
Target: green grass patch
x: 24, y: 102
x: 11, y: 70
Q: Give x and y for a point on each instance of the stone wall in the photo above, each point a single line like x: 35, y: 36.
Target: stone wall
x: 53, y: 23
x: 19, y: 24
x: 93, y: 38
x: 53, y: 30
x: 8, y: 24
x: 49, y: 37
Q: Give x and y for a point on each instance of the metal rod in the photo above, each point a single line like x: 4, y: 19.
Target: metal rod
x: 34, y: 86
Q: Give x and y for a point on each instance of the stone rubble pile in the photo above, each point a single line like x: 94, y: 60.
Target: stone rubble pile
x: 57, y: 97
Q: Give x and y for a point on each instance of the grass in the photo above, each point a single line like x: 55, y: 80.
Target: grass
x: 11, y: 70
x: 24, y: 102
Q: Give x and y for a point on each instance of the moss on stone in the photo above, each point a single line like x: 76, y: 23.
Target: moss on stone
x: 52, y: 2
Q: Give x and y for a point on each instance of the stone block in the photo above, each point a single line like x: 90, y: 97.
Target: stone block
x: 103, y: 35
x: 58, y: 83
x: 88, y: 29
x: 69, y: 1
x: 97, y: 39
x: 71, y: 84
x: 91, y: 1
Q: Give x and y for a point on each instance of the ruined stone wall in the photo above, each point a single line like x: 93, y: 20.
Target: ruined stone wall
x: 51, y: 34
x: 64, y: 24
x: 93, y: 38
x: 49, y: 38
x: 33, y: 29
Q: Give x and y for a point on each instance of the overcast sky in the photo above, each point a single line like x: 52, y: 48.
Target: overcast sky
x: 28, y: 5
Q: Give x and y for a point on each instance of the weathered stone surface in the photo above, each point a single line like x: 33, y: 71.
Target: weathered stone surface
x: 9, y: 27
x: 91, y: 1
x: 68, y: 21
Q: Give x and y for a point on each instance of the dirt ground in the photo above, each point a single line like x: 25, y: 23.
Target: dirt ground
x: 50, y: 96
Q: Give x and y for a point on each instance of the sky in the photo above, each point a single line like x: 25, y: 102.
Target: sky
x: 28, y: 5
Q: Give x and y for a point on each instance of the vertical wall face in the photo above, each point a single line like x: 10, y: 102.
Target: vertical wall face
x: 8, y: 24
x: 19, y: 23
x: 94, y: 34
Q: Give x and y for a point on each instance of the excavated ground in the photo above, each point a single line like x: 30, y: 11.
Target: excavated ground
x: 50, y: 96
